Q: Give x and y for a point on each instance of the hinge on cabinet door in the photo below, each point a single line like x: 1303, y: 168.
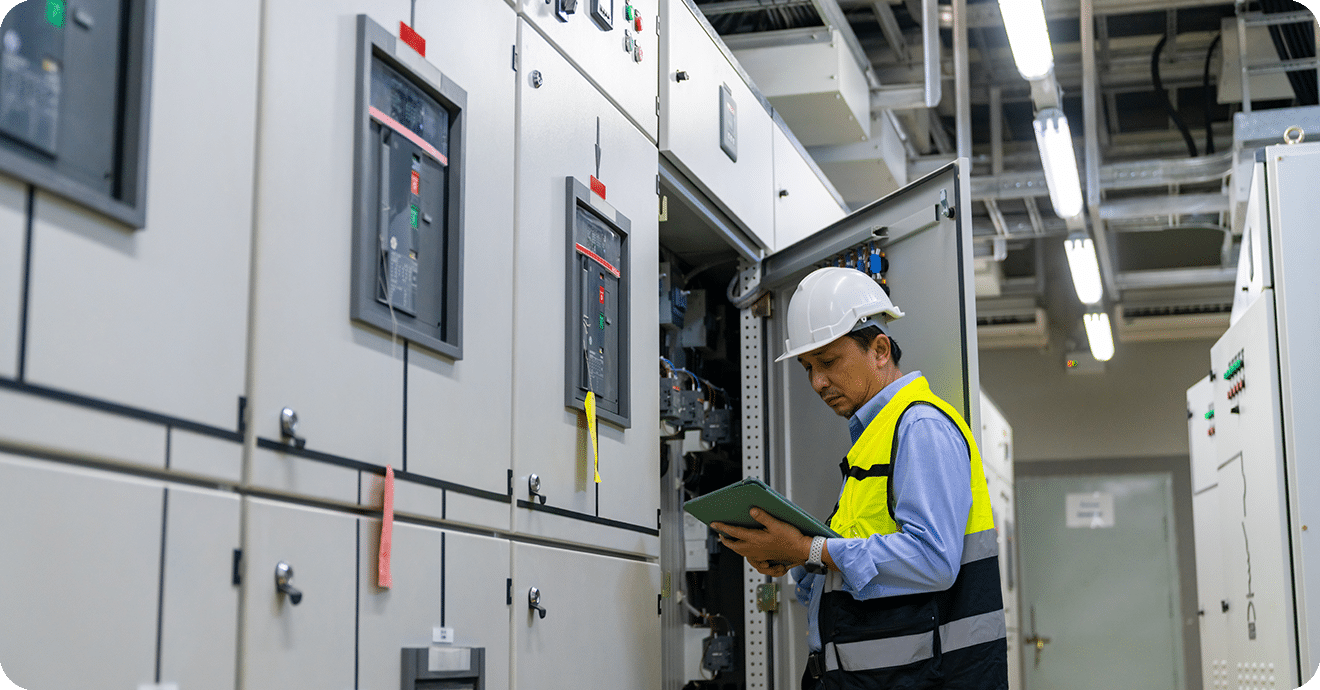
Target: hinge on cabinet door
x: 515, y: 57
x: 242, y: 410
x: 657, y: 185
x: 658, y: 599
x: 510, y: 482
x: 657, y: 106
x: 508, y: 591
x: 658, y: 524
x: 237, y: 575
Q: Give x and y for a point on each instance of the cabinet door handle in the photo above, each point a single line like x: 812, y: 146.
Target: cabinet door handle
x: 283, y: 576
x: 534, y: 601
x: 534, y: 489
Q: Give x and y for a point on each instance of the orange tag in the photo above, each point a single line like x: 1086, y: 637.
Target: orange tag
x: 383, y: 578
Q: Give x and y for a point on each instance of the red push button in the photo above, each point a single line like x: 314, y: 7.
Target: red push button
x: 416, y: 183
x: 637, y: 22
x: 602, y: 295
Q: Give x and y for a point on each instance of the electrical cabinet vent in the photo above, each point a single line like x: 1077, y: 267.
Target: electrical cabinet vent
x: 75, y: 93
x: 408, y: 197
x: 597, y: 305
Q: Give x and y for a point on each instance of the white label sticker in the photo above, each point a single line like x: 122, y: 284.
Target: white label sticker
x: 1090, y: 511
x: 441, y: 635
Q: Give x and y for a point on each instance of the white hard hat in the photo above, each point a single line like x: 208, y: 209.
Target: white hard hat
x: 828, y: 303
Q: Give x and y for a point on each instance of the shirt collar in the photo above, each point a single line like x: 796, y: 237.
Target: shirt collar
x: 868, y: 411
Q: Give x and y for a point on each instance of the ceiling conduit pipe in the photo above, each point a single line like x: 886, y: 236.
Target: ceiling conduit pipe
x: 1091, y: 133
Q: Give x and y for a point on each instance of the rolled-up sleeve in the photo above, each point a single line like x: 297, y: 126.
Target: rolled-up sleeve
x: 932, y: 499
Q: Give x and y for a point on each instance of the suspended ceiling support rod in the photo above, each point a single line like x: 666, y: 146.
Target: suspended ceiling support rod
x: 884, y: 16
x: 962, y: 80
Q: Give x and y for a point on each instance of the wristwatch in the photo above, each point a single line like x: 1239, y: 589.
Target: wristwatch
x: 814, y: 562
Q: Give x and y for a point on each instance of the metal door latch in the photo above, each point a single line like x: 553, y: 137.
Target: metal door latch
x: 283, y: 576
x: 534, y: 601
x: 289, y: 427
x: 534, y: 489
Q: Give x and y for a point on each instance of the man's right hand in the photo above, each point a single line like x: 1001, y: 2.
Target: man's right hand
x: 769, y: 568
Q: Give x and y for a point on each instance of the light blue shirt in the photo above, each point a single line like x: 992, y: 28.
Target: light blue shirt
x: 932, y: 498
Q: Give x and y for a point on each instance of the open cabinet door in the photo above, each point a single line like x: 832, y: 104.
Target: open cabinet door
x: 925, y: 232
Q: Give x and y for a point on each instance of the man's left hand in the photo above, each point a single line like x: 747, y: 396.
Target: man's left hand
x: 771, y: 550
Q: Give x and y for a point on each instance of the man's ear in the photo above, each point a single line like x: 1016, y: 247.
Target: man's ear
x: 880, y: 346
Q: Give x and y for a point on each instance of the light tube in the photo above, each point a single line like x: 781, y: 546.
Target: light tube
x: 1060, y: 162
x: 1084, y: 268
x: 1024, y: 20
x: 1099, y: 335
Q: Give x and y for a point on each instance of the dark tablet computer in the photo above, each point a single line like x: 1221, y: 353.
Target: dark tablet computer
x: 732, y: 505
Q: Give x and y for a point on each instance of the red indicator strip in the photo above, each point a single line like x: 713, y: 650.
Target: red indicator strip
x: 410, y: 135
x: 592, y: 255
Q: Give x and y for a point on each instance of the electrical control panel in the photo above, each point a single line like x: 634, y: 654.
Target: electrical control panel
x: 408, y: 210
x: 597, y: 313
x: 74, y: 101
x: 728, y: 123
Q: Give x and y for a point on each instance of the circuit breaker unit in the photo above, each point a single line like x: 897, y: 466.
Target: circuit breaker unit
x: 408, y: 200
x: 74, y: 101
x: 597, y: 313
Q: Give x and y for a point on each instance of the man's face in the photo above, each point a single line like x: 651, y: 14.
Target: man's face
x: 844, y: 374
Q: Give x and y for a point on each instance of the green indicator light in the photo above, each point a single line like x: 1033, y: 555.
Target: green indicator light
x: 55, y: 12
x: 1210, y: 414
x: 413, y: 216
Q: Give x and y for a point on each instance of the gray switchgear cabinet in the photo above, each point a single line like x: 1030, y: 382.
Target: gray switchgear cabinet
x: 597, y: 326
x: 75, y: 93
x: 408, y: 196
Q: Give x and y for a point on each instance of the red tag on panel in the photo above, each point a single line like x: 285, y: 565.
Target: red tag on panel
x: 412, y: 38
x: 598, y: 187
x: 416, y: 183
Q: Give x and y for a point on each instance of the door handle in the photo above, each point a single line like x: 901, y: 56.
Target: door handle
x: 534, y: 601
x: 283, y: 575
x: 534, y: 489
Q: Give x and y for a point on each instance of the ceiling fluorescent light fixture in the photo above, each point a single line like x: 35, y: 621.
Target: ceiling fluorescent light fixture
x: 1099, y: 335
x: 1024, y: 20
x: 1084, y: 268
x: 1060, y: 162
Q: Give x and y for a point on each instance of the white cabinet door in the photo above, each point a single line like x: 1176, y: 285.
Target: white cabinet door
x: 344, y: 380
x: 157, y: 318
x: 626, y: 78
x: 311, y: 644
x: 549, y: 438
x: 1253, y: 521
x: 601, y: 627
x: 199, y: 603
x: 802, y: 202
x: 690, y: 124
x: 80, y: 591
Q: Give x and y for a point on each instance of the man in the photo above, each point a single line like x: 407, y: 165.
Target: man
x: 909, y: 597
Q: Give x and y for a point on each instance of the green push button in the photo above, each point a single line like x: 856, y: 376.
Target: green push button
x: 413, y: 215
x: 602, y: 321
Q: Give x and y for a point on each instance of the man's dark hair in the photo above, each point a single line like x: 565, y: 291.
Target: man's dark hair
x: 865, y: 336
